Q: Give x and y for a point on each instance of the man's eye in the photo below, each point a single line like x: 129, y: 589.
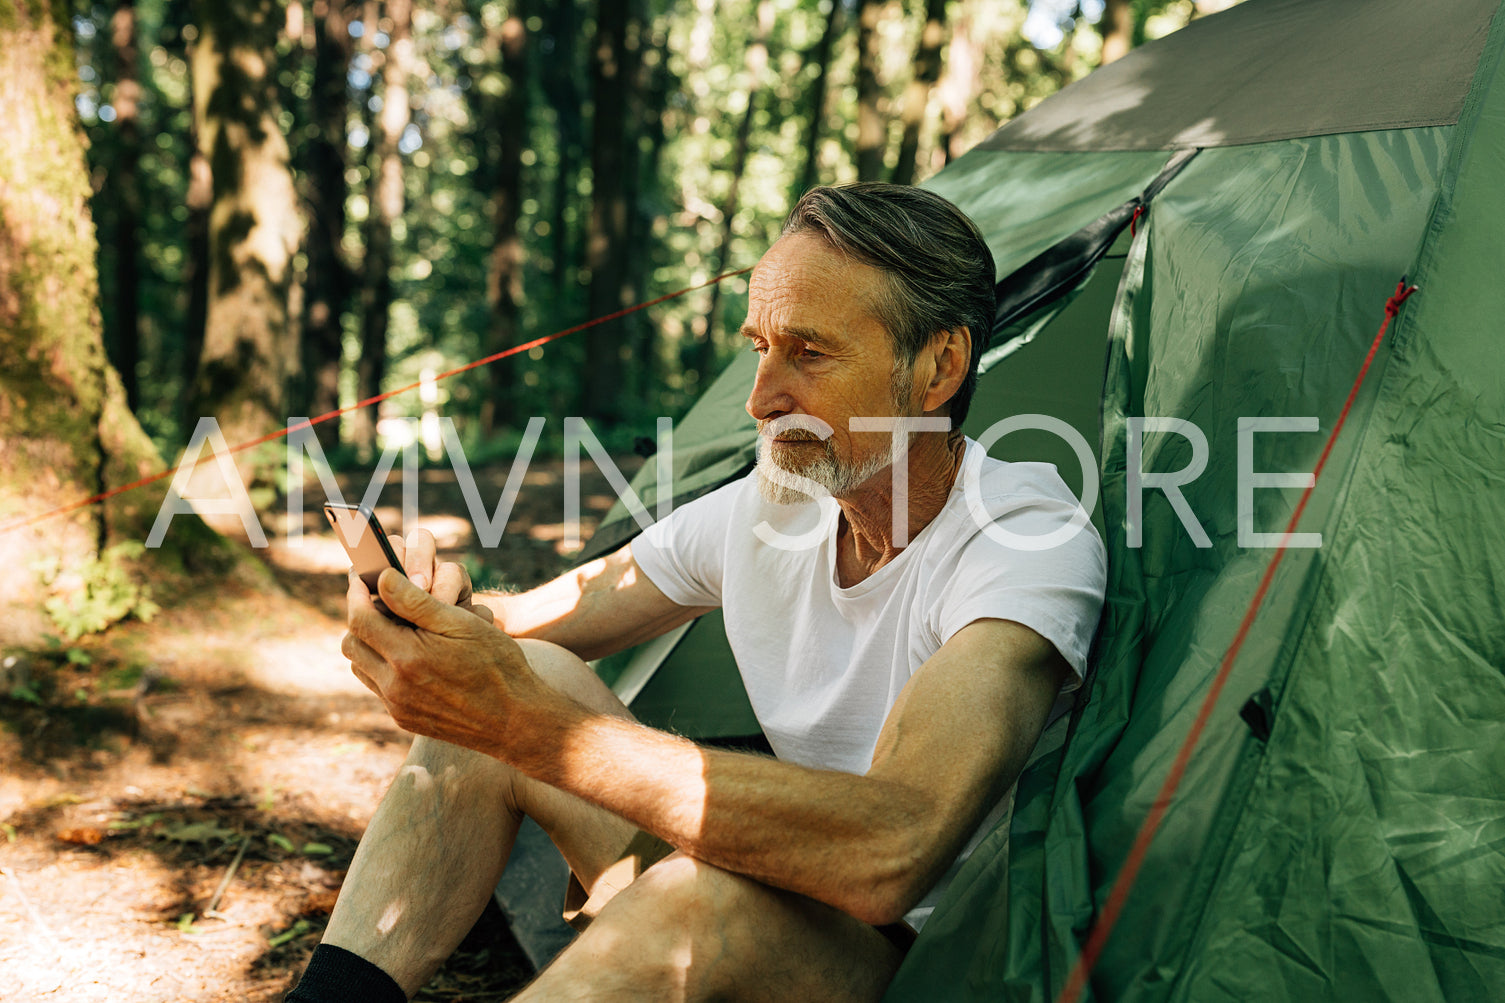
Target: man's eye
x: 810, y: 353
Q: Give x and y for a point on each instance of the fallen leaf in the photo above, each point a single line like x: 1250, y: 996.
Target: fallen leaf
x: 82, y: 836
x: 321, y: 902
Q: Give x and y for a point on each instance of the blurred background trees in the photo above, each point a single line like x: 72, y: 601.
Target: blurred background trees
x: 301, y: 203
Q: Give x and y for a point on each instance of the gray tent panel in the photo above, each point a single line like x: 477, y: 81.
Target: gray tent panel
x: 1268, y: 70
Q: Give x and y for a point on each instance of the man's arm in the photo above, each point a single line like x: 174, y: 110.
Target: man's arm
x: 595, y: 610
x: 870, y: 845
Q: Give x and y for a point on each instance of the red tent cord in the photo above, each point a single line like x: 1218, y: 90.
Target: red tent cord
x: 1076, y: 982
x: 280, y: 433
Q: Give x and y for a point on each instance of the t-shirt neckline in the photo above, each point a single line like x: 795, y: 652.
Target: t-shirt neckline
x: 875, y: 579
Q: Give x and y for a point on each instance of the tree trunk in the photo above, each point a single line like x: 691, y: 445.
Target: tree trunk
x: 560, y: 82
x: 123, y: 195
x: 917, y: 95
x: 757, y: 63
x: 613, y: 73
x: 197, y: 201
x: 65, y: 430
x: 656, y: 85
x: 386, y: 207
x: 254, y: 228
x: 872, y: 129
x: 504, y: 277
x: 821, y: 55
x: 1117, y: 28
x: 329, y: 280
x: 959, y: 87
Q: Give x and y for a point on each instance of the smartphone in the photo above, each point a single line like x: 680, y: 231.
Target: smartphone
x: 360, y: 533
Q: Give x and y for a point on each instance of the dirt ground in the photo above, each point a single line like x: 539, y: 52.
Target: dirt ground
x: 179, y: 800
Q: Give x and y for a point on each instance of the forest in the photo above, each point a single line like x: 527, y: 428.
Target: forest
x: 298, y: 205
x: 254, y: 210
x: 261, y: 210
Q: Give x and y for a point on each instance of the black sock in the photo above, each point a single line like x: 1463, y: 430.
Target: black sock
x: 335, y: 975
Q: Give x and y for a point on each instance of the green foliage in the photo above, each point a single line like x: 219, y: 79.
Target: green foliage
x: 89, y: 596
x: 687, y: 102
x: 292, y: 933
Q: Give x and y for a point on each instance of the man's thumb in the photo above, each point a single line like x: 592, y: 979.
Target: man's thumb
x: 408, y: 600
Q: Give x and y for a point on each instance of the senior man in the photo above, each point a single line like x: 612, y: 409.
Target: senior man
x: 902, y: 631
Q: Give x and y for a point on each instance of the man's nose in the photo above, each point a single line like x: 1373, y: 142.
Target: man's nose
x: 770, y: 392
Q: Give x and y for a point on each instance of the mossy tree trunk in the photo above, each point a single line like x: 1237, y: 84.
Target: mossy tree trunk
x: 65, y: 430
x: 254, y: 226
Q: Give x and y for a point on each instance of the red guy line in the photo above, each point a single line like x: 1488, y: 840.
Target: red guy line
x: 1076, y: 982
x: 310, y: 422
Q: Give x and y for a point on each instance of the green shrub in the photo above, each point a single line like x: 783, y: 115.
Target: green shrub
x: 86, y: 597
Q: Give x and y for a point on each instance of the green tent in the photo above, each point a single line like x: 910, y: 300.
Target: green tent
x: 1340, y: 828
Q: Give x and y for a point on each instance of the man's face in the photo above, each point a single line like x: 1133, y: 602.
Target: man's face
x: 823, y: 354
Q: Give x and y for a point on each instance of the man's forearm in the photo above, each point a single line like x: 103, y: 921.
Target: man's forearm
x: 865, y: 845
x: 595, y: 610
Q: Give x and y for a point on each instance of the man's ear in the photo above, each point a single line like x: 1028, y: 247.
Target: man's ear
x: 951, y: 352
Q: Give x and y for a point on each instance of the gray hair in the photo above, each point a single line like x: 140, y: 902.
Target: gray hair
x: 939, y: 267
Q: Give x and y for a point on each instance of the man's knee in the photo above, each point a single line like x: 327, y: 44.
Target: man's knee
x: 688, y: 930
x: 664, y: 937
x: 567, y: 673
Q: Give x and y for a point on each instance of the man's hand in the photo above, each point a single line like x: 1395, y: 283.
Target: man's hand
x: 450, y: 676
x: 446, y: 581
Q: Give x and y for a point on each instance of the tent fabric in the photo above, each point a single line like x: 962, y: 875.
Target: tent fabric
x: 1063, y: 266
x: 714, y: 442
x: 1193, y: 336
x: 1270, y: 70
x: 1390, y: 728
x: 1338, y: 832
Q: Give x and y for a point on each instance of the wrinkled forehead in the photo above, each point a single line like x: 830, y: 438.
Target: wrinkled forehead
x: 802, y: 277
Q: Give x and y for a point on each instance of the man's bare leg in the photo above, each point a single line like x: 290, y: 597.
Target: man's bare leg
x: 686, y: 930
x: 438, y: 842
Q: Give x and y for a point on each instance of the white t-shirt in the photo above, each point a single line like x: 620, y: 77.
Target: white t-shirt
x: 823, y: 664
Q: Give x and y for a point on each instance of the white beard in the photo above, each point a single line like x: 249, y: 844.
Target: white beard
x: 824, y: 477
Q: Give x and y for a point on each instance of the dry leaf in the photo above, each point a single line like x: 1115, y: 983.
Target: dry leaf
x: 320, y: 903
x: 82, y: 836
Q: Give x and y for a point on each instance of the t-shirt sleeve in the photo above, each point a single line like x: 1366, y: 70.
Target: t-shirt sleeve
x: 1055, y: 590
x: 684, y: 554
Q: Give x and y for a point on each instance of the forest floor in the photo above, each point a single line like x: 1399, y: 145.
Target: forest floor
x: 180, y: 799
